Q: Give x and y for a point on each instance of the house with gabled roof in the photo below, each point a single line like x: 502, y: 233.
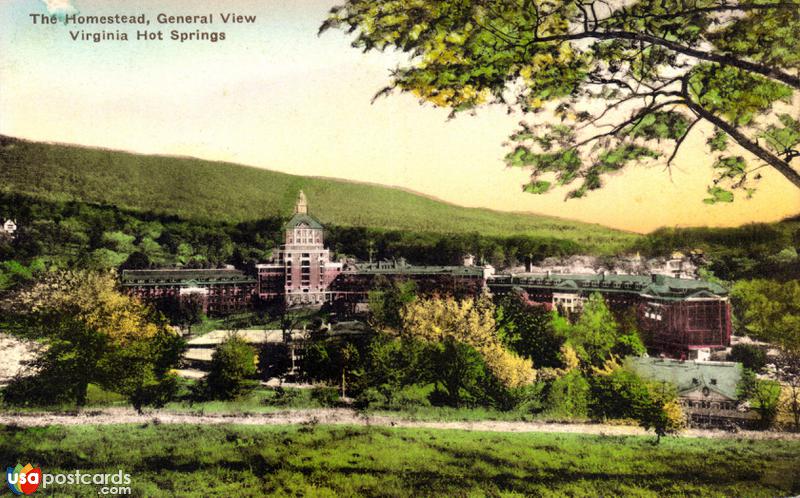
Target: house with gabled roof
x: 708, y: 390
x: 8, y: 227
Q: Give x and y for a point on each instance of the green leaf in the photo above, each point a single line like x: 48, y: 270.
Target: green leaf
x: 718, y: 142
x: 537, y: 187
x: 718, y: 195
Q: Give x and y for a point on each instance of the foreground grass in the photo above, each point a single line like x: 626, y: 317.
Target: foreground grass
x: 206, y: 461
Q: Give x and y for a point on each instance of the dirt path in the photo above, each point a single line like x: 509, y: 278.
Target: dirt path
x: 12, y: 353
x: 348, y: 417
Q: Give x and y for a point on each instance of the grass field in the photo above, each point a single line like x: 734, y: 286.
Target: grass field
x: 207, y: 461
x: 198, y: 189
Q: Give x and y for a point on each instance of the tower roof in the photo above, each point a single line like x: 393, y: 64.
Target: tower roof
x: 301, y: 218
x: 301, y: 215
x: 301, y: 206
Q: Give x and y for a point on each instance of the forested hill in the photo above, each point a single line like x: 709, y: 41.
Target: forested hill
x: 205, y: 190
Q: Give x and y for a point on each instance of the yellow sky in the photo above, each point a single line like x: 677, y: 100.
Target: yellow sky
x: 276, y: 96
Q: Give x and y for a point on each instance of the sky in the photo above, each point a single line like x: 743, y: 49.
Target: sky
x: 274, y: 95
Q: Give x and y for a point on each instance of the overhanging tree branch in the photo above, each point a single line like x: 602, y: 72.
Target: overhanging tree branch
x: 722, y: 59
x: 784, y: 168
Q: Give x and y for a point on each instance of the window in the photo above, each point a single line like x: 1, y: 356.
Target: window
x: 713, y: 382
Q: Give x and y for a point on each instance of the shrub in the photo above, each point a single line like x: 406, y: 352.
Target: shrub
x: 370, y: 398
x: 533, y: 398
x: 411, y: 397
x: 155, y: 392
x: 569, y: 396
x: 325, y: 396
x: 232, y: 366
x: 283, y: 397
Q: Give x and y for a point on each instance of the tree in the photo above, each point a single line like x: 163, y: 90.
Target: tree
x: 618, y: 393
x: 349, y: 356
x: 387, y: 301
x: 569, y: 396
x: 471, y: 322
x: 765, y: 398
x: 191, y: 310
x: 274, y: 360
x: 622, y: 82
x: 787, y: 371
x: 750, y: 356
x: 529, y: 331
x: 336, y: 360
x: 393, y: 363
x: 232, y: 366
x: 91, y: 333
x: 663, y: 413
x: 769, y: 310
x: 596, y: 335
x: 459, y: 369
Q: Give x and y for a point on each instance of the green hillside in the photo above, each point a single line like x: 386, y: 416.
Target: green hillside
x: 198, y: 189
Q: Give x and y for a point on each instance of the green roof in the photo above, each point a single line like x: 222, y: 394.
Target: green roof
x: 300, y: 218
x: 183, y: 277
x: 654, y: 285
x: 402, y: 268
x: 722, y: 377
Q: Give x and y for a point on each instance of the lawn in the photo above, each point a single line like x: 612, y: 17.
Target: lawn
x: 206, y: 461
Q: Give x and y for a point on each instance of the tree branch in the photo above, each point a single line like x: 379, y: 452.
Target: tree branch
x: 726, y: 60
x: 679, y: 142
x: 784, y: 168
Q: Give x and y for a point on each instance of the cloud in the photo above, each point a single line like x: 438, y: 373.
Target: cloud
x: 60, y: 7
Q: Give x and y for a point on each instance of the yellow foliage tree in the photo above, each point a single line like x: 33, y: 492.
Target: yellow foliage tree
x: 469, y: 321
x: 93, y: 300
x: 93, y: 333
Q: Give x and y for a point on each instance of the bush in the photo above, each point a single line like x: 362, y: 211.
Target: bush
x: 35, y: 390
x: 232, y: 367
x: 370, y: 398
x: 156, y: 393
x: 325, y: 396
x: 569, y: 396
x: 532, y: 399
x: 750, y: 356
x: 412, y: 397
x: 283, y: 397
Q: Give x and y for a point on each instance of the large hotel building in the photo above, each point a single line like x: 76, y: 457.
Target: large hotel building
x: 679, y: 316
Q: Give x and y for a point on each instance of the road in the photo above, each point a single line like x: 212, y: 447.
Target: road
x: 341, y: 416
